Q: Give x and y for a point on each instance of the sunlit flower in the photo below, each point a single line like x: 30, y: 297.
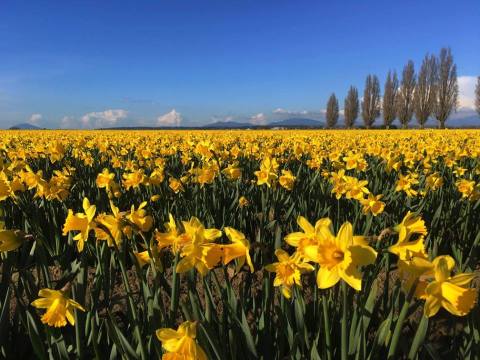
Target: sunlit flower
x: 140, y: 218
x: 373, y: 204
x: 309, y: 236
x: 288, y: 271
x: 172, y: 237
x: 181, y: 344
x: 175, y: 185
x: 287, y: 179
x: 239, y: 249
x: 405, y: 248
x: 59, y: 307
x: 243, y: 201
x: 451, y: 293
x: 82, y: 222
x: 105, y: 179
x: 199, y: 253
x: 340, y: 257
x: 10, y: 239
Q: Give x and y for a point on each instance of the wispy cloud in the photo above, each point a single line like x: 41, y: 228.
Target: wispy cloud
x: 35, y: 119
x: 172, y: 118
x: 466, y: 89
x: 106, y: 118
x: 259, y: 119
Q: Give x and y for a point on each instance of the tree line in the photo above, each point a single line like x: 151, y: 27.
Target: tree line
x: 431, y: 92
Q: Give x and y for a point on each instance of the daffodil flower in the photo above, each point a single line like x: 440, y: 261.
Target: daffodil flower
x: 82, y: 222
x: 288, y: 271
x: 340, y: 256
x: 199, y: 253
x: 59, y: 307
x: 239, y: 249
x: 309, y: 235
x: 172, y: 237
x: 448, y: 292
x: 10, y: 240
x: 181, y: 343
x: 405, y: 248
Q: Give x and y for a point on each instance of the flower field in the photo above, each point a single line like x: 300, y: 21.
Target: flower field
x: 240, y: 244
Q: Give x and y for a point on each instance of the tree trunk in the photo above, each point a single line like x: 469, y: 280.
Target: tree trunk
x: 442, y: 124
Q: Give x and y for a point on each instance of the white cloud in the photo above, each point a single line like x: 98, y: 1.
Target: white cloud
x: 67, y: 122
x: 282, y: 111
x: 105, y: 118
x: 258, y: 119
x: 35, y: 119
x: 172, y: 118
x: 466, y: 89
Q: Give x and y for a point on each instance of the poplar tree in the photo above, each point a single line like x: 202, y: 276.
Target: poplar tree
x: 351, y: 107
x: 405, y: 95
x: 332, y: 111
x: 424, y: 94
x: 446, y: 87
x: 389, y: 99
x: 371, y: 101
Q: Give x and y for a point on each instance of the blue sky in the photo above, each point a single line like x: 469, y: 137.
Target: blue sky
x: 91, y: 63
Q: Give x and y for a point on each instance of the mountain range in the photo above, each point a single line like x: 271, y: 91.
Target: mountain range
x: 25, y: 126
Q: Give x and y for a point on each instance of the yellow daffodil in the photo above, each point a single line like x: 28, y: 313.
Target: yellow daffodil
x: 133, y: 179
x: 110, y: 227
x: 451, y: 293
x: 140, y: 218
x: 5, y: 189
x: 175, y: 185
x: 405, y: 248
x: 288, y: 271
x: 105, y: 179
x: 243, y: 201
x: 239, y: 249
x: 232, y: 171
x: 181, y: 344
x: 340, y: 257
x: 267, y: 173
x: 309, y: 235
x: 405, y: 183
x: 82, y: 222
x: 372, y: 204
x: 172, y: 237
x: 59, y: 307
x: 286, y: 180
x: 10, y: 239
x: 199, y: 252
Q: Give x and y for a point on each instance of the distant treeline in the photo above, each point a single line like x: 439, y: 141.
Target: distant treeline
x: 433, y: 92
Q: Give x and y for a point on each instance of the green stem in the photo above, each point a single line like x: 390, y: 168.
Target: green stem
x: 133, y: 310
x: 419, y: 338
x: 326, y: 323
x: 398, y: 327
x: 174, y: 295
x: 344, y: 321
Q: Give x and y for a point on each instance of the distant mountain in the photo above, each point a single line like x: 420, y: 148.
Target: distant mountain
x: 297, y: 122
x: 25, y: 126
x: 228, y: 125
x: 287, y: 123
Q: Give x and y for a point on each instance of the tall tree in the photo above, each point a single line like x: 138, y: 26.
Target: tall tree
x: 477, y: 96
x: 405, y: 95
x: 424, y: 94
x: 332, y: 111
x: 351, y: 107
x: 446, y: 87
x: 371, y: 101
x: 389, y: 99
